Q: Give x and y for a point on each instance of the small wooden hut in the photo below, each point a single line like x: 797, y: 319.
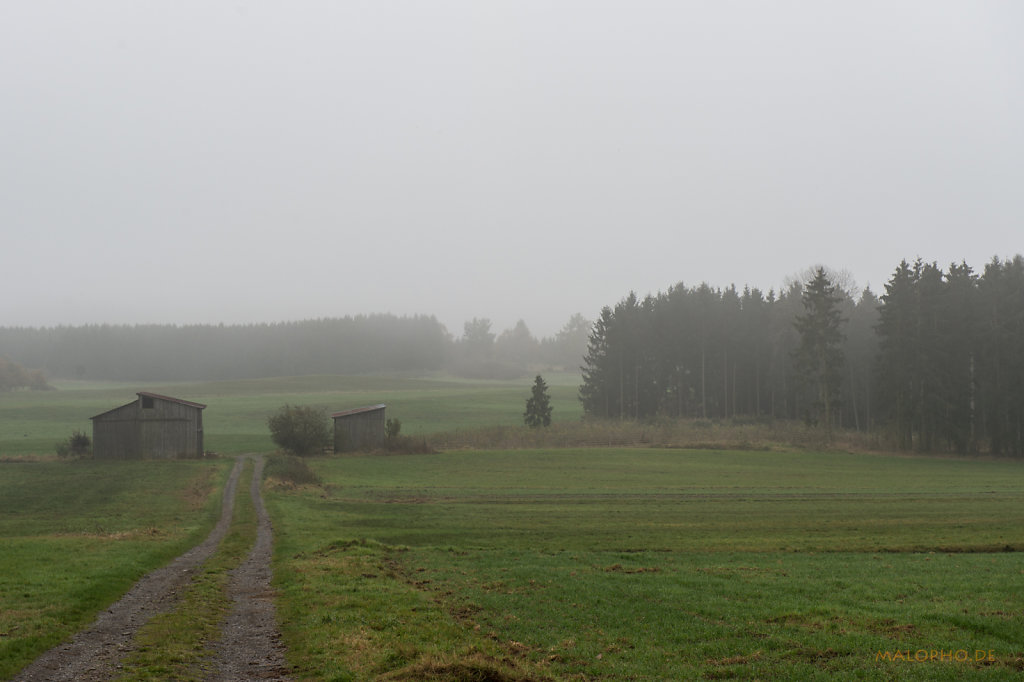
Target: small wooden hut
x: 150, y: 427
x: 359, y: 429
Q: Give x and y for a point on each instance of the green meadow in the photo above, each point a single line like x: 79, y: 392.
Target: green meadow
x: 578, y: 563
x: 653, y: 564
x: 235, y: 420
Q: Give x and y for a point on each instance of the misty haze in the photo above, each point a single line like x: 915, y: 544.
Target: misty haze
x: 511, y: 341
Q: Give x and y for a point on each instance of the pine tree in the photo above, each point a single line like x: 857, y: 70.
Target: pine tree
x: 960, y: 323
x: 898, y: 357
x: 819, y: 358
x: 538, y: 405
x: 597, y: 389
x: 1001, y: 357
x: 861, y: 352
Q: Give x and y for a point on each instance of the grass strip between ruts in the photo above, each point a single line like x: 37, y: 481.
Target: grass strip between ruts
x: 178, y: 645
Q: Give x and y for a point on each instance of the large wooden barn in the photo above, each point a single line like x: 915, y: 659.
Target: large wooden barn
x: 150, y: 427
x: 359, y: 429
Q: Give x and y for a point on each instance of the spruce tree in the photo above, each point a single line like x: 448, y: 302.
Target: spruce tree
x: 819, y: 358
x: 597, y: 392
x: 898, y: 352
x: 538, y: 405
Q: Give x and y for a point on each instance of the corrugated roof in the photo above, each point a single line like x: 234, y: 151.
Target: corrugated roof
x: 358, y: 410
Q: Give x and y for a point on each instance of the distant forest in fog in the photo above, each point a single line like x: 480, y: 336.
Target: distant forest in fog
x: 935, y: 364
x: 348, y: 345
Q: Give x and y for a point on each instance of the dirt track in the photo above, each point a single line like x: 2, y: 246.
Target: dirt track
x: 250, y: 648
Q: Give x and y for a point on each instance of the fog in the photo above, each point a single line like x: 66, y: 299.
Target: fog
x: 244, y: 162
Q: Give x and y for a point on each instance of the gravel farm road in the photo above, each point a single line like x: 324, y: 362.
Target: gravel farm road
x: 250, y: 647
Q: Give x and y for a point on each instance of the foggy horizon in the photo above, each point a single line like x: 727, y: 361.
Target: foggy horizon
x: 843, y: 278
x: 260, y: 163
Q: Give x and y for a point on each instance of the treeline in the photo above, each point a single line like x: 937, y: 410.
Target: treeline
x: 951, y: 360
x: 13, y: 376
x: 348, y: 345
x: 935, y: 364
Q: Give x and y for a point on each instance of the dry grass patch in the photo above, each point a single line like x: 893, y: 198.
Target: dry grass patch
x: 475, y: 667
x: 700, y: 434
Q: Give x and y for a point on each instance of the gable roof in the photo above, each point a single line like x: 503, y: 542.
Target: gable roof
x: 173, y: 400
x: 358, y: 410
x: 152, y: 395
x: 111, y: 411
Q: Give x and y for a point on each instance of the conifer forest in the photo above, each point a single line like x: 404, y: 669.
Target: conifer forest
x: 934, y: 364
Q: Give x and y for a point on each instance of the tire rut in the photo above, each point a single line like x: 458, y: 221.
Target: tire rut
x: 251, y: 648
x: 95, y: 653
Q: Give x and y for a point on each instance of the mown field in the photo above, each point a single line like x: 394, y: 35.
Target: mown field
x: 535, y: 563
x: 653, y: 564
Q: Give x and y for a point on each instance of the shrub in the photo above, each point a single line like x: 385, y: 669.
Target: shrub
x: 289, y: 469
x: 300, y: 430
x: 392, y: 428
x: 77, y: 445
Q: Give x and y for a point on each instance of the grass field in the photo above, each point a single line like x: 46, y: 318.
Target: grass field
x: 235, y: 420
x: 653, y: 564
x: 535, y: 563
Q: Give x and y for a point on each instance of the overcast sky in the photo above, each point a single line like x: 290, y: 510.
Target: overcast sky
x: 255, y: 161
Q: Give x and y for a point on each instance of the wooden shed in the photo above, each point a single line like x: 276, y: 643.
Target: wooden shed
x: 359, y: 429
x: 150, y: 427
